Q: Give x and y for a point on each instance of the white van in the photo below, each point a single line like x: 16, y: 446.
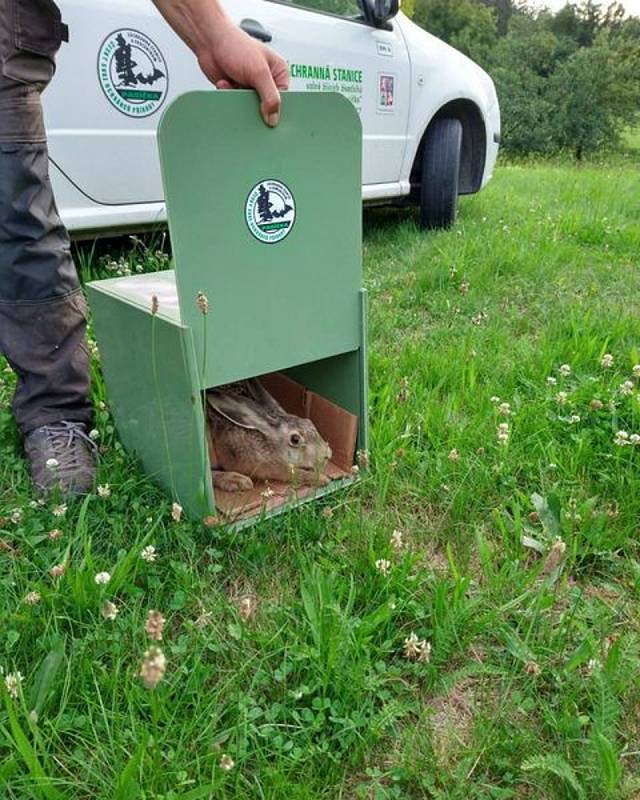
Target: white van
x: 430, y: 116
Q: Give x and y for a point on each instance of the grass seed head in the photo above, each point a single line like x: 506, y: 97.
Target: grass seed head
x: 154, y: 666
x: 202, y: 302
x: 154, y: 625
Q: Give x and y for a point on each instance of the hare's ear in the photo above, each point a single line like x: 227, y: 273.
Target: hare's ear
x: 239, y: 411
x: 264, y: 399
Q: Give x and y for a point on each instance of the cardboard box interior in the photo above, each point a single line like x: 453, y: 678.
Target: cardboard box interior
x: 337, y: 426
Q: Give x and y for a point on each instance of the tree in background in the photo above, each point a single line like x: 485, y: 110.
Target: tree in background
x: 467, y: 25
x: 566, y: 81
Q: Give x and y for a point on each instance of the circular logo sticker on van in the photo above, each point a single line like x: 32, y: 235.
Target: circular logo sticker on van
x: 270, y: 211
x: 132, y: 72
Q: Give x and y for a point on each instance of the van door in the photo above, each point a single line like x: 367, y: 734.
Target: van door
x: 330, y: 48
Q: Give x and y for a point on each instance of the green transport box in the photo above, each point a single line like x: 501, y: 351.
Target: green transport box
x: 266, y: 224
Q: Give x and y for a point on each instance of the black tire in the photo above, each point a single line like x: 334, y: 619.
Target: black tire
x: 440, y: 174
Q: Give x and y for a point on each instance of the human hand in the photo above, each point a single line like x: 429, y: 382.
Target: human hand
x: 235, y: 60
x: 227, y: 55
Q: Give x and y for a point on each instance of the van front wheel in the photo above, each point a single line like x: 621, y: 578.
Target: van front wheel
x: 440, y: 173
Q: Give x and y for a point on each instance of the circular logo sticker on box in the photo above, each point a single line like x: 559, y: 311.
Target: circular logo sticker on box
x: 132, y: 72
x: 270, y: 211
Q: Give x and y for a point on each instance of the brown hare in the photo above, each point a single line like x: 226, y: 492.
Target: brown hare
x: 252, y: 436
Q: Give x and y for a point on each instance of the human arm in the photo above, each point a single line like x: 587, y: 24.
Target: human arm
x: 227, y: 55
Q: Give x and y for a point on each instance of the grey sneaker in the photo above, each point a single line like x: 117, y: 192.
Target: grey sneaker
x: 61, y: 455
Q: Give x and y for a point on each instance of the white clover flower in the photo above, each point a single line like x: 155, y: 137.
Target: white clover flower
x: 32, y: 598
x: 416, y: 649
x: 383, y: 566
x: 109, y: 610
x: 149, y: 553
x: 397, y: 542
x: 551, y: 380
x: 267, y: 493
x: 104, y: 490
x: 561, y: 398
x: 227, y: 763
x: 504, y: 409
x: 52, y: 463
x: 454, y: 455
x: 606, y: 361
x: 57, y: 570
x: 355, y: 470
x: 552, y: 466
x: 56, y: 533
x: 16, y: 516
x: 13, y: 681
x: 574, y: 418
x: 634, y: 439
x: 59, y: 510
x: 621, y: 438
x: 626, y: 388
x: 176, y: 512
x: 593, y: 664
x: 94, y: 434
x: 564, y: 370
x: 636, y: 371
x: 503, y: 433
x: 495, y: 399
x: 102, y: 578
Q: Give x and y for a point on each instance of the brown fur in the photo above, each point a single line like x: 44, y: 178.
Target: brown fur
x: 252, y: 436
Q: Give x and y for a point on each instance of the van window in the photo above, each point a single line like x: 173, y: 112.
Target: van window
x: 341, y: 8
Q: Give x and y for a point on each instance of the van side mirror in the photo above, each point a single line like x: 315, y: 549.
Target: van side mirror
x: 379, y: 12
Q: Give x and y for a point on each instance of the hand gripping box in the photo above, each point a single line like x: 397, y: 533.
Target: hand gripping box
x: 266, y: 225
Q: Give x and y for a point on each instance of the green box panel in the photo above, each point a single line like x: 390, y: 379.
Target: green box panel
x: 271, y: 305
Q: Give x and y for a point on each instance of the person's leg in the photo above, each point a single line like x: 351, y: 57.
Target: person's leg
x: 42, y: 309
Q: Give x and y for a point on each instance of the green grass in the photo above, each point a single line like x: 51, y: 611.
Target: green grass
x: 284, y: 642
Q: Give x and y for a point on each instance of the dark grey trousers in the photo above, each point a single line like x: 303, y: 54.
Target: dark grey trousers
x: 42, y: 309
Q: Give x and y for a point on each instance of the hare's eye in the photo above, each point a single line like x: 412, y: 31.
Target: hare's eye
x: 295, y: 439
